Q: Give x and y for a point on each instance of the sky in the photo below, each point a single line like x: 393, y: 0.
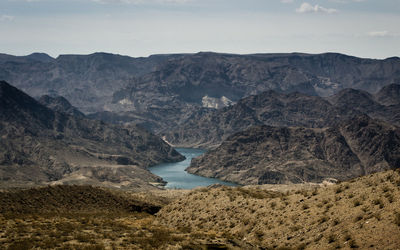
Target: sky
x: 363, y: 28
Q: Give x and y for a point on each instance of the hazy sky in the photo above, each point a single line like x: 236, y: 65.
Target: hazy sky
x: 365, y: 28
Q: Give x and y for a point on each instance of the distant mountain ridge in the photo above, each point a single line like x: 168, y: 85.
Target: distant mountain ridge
x: 42, y: 146
x: 144, y: 90
x: 85, y: 80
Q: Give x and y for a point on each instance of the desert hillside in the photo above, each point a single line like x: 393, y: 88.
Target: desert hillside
x: 361, y: 213
x: 85, y: 217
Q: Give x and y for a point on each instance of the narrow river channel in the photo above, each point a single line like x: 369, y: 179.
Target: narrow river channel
x: 177, y: 177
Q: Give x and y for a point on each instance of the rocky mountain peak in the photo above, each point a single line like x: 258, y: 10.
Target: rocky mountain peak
x: 40, y: 57
x: 18, y: 106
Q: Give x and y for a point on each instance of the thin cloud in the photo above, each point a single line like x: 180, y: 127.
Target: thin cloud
x: 6, y: 18
x: 381, y: 33
x: 348, y: 1
x: 28, y: 1
x: 141, y: 1
x: 308, y: 8
x: 287, y: 1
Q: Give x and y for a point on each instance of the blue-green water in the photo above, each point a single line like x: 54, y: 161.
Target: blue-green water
x: 177, y: 177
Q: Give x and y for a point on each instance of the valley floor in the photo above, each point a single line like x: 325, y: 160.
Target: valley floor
x: 362, y: 213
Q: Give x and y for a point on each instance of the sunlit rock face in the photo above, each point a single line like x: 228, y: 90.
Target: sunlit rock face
x: 215, y: 103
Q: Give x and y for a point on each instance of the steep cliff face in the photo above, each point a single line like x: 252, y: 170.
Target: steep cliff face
x: 39, y: 145
x: 271, y: 155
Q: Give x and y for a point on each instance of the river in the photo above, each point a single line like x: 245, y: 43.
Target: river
x: 177, y: 177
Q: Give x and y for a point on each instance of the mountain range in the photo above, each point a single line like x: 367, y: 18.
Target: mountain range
x: 294, y: 129
x: 161, y: 91
x: 41, y: 146
x: 87, y: 81
x: 224, y: 102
